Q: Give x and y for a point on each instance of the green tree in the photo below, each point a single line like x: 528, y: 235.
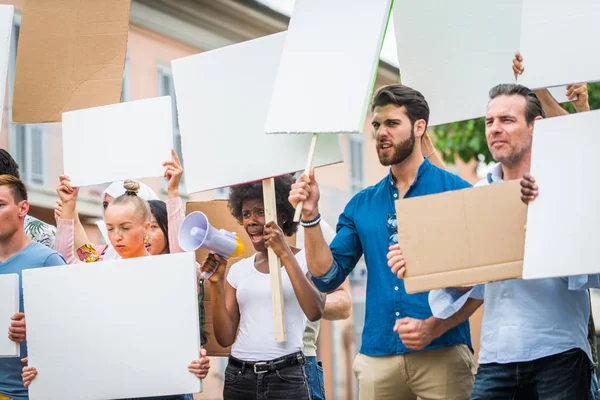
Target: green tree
x: 466, y: 139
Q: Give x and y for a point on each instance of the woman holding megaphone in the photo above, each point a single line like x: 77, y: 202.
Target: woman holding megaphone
x: 259, y: 364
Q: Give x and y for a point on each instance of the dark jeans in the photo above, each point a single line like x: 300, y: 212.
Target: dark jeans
x: 314, y: 375
x: 285, y: 384
x: 564, y: 376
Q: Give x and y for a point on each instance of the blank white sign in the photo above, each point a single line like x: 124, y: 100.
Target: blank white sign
x: 563, y: 223
x: 6, y: 25
x: 115, y: 329
x: 328, y: 66
x: 117, y: 142
x: 553, y: 57
x: 9, y: 306
x: 454, y: 52
x: 222, y: 100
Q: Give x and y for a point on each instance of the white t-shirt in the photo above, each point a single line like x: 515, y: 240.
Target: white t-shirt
x: 256, y: 338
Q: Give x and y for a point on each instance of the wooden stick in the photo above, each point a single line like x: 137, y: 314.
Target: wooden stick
x: 311, y: 155
x: 274, y: 263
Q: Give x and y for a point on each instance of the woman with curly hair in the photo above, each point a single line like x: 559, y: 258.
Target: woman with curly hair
x: 259, y: 364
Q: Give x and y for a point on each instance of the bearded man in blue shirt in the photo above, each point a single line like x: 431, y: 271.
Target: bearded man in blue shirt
x: 406, y: 352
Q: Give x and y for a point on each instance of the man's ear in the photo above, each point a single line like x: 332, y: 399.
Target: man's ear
x: 538, y: 118
x: 23, y: 208
x: 419, y: 128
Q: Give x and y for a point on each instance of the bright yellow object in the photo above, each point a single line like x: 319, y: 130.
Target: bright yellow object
x: 239, y: 250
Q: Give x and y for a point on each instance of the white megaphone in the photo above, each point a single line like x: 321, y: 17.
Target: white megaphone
x: 195, y: 233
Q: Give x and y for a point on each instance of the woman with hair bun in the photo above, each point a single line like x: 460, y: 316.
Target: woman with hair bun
x: 72, y: 241
x: 128, y: 224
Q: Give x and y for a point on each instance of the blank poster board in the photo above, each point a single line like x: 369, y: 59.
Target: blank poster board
x: 328, y: 66
x: 9, y: 306
x: 117, y: 142
x: 71, y: 56
x: 115, y: 329
x: 6, y: 25
x: 219, y: 216
x: 462, y: 237
x: 453, y: 52
x: 563, y: 223
x: 223, y: 97
x: 551, y: 57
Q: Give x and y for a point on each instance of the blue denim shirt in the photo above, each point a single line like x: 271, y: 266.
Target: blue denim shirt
x: 368, y: 226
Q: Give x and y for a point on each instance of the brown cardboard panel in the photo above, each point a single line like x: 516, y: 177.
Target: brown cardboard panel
x: 71, y: 55
x: 462, y: 237
x: 219, y: 217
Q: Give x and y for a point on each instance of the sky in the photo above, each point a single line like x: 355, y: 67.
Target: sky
x: 388, y: 52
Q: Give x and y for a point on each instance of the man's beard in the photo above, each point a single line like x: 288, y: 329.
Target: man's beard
x: 515, y: 157
x: 401, y: 152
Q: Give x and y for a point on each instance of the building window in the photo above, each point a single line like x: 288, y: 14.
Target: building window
x: 167, y: 88
x: 27, y: 142
x: 355, y: 144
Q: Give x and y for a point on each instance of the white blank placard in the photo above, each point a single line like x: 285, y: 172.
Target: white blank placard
x: 563, y: 223
x: 328, y: 66
x: 222, y: 100
x: 453, y: 52
x: 552, y: 57
x: 117, y: 142
x: 114, y: 329
x: 6, y: 25
x: 9, y: 306
x: 559, y: 93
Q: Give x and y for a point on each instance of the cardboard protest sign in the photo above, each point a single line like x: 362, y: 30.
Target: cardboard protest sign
x: 220, y: 217
x: 563, y: 223
x: 462, y: 237
x: 71, y: 56
x: 9, y: 306
x: 223, y: 98
x: 328, y: 66
x: 116, y: 142
x: 89, y: 324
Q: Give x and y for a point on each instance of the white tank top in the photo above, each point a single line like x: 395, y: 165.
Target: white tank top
x: 256, y: 340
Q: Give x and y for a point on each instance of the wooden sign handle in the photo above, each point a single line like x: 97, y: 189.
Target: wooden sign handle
x: 311, y: 155
x: 274, y: 263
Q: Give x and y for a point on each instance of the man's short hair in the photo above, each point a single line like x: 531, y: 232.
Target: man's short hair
x: 533, y: 108
x: 400, y: 95
x: 16, y: 186
x: 8, y: 165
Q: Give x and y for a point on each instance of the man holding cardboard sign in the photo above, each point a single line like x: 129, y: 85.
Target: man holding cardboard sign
x: 438, y: 351
x: 534, y: 332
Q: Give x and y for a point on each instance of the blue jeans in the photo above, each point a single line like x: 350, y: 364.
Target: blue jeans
x: 314, y: 375
x: 562, y: 376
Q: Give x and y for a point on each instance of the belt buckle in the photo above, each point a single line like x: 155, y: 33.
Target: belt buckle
x: 259, y: 364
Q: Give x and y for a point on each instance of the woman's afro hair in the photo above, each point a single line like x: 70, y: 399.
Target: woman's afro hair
x: 254, y: 191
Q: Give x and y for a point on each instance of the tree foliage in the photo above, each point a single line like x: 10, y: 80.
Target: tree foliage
x: 466, y: 139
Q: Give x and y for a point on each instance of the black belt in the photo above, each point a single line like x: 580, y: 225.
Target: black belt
x: 262, y: 367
